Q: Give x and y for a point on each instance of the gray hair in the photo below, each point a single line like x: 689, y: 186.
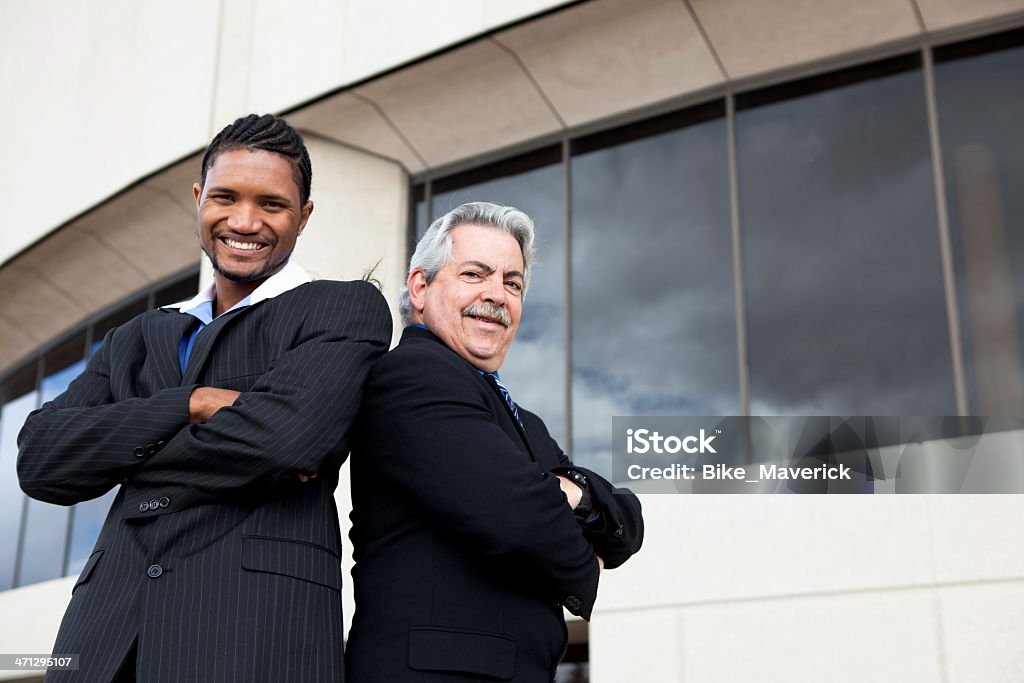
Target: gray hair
x: 435, y: 247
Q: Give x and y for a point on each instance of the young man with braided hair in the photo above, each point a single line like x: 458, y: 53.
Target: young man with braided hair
x: 224, y: 420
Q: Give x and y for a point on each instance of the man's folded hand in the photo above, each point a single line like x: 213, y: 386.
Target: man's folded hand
x: 205, y: 401
x: 573, y: 493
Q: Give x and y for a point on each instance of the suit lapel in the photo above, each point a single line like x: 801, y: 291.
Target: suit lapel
x: 162, y: 334
x: 527, y: 437
x: 204, y: 343
x: 509, y: 425
x: 521, y: 431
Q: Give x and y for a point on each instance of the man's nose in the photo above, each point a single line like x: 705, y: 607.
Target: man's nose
x: 244, y: 218
x: 494, y: 289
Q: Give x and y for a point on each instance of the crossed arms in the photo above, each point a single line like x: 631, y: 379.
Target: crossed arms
x: 428, y: 433
x: 293, y: 419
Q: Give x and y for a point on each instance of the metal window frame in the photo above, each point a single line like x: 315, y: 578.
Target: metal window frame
x: 922, y: 46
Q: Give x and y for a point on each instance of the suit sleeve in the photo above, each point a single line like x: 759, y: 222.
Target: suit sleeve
x: 81, y: 444
x: 429, y: 434
x: 293, y: 420
x: 620, y: 532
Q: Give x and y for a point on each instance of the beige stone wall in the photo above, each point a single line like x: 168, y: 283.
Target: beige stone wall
x: 812, y: 588
x: 29, y: 618
x: 99, y: 94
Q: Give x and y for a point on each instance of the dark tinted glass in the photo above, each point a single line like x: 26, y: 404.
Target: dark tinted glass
x: 419, y: 213
x: 653, y: 316
x: 844, y: 291
x: 19, y: 398
x: 181, y: 290
x: 534, y: 370
x: 121, y: 316
x: 46, y: 525
x: 51, y: 540
x: 980, y: 96
x: 86, y: 521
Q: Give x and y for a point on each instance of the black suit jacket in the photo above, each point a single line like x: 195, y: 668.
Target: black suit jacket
x: 465, y: 547
x: 213, y: 555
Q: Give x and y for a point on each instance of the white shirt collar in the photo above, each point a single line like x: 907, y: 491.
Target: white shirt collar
x: 289, y: 277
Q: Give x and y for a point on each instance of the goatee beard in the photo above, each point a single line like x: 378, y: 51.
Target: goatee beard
x: 262, y: 274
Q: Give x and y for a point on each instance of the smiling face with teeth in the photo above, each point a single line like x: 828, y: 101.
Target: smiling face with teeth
x: 250, y: 215
x: 475, y: 300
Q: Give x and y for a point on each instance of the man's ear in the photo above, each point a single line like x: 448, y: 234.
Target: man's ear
x: 304, y: 216
x: 197, y: 192
x: 417, y: 284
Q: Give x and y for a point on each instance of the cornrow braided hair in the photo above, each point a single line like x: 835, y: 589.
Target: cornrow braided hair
x: 270, y: 134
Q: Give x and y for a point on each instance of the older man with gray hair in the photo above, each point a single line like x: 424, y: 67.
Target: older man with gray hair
x: 471, y: 528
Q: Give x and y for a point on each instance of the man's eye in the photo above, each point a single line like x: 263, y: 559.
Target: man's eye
x: 220, y: 198
x: 274, y: 205
x: 471, y: 274
x: 514, y: 285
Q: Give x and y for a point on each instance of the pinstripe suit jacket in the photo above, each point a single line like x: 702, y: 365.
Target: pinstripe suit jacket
x: 214, y: 556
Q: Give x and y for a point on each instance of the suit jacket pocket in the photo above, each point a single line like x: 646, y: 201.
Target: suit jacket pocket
x: 297, y: 559
x: 88, y: 569
x: 435, y: 648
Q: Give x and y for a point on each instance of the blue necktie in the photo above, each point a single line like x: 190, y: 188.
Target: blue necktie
x: 186, y: 344
x: 507, y: 396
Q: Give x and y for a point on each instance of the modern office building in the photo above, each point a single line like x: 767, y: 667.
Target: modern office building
x: 744, y: 207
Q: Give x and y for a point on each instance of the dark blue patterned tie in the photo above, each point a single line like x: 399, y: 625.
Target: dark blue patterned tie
x: 493, y: 376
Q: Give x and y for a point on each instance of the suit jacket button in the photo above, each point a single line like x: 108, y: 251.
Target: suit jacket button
x: 143, y: 506
x: 154, y: 571
x: 165, y: 501
x: 573, y: 603
x: 154, y: 504
x: 160, y: 443
x: 139, y: 451
x: 150, y: 449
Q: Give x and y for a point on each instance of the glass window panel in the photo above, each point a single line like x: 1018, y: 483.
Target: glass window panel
x: 46, y: 525
x: 121, y: 316
x: 12, y: 500
x: 653, y: 304
x: 419, y: 213
x: 86, y: 522
x: 181, y: 290
x: 534, y: 370
x: 845, y: 301
x: 981, y: 107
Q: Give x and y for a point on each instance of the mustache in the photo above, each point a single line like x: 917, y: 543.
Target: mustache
x: 489, y: 312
